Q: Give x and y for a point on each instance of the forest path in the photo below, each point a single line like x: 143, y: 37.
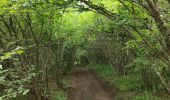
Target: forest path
x: 86, y: 86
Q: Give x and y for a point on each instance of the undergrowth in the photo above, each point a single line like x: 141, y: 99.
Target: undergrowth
x: 59, y: 95
x: 129, y: 87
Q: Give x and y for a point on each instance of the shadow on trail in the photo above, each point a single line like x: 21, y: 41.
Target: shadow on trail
x: 86, y: 86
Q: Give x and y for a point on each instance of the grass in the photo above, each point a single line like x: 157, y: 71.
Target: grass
x: 59, y: 95
x: 123, y: 83
x: 129, y: 86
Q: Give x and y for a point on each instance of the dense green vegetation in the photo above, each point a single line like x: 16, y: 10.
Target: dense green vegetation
x: 128, y: 86
x: 126, y: 42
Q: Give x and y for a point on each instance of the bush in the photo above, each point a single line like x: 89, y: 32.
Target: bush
x: 59, y: 95
x: 129, y: 86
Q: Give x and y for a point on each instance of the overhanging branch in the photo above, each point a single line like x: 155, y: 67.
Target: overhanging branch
x: 100, y: 10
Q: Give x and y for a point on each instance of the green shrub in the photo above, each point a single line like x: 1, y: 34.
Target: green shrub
x: 59, y: 95
x: 129, y: 86
x: 123, y: 83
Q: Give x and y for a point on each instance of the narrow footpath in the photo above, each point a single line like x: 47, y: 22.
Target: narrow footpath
x: 86, y: 86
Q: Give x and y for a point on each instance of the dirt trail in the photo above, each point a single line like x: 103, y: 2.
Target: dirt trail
x: 86, y: 86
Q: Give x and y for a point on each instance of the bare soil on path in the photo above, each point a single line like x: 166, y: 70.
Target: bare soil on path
x: 86, y: 86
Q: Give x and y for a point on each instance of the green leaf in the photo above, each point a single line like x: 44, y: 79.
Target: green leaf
x: 2, y: 80
x: 0, y: 66
x: 19, y: 52
x: 6, y: 56
x: 26, y: 91
x: 3, y: 2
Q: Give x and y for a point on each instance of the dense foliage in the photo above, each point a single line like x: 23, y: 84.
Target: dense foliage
x: 41, y: 41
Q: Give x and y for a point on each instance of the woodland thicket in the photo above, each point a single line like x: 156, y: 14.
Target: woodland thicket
x: 42, y: 40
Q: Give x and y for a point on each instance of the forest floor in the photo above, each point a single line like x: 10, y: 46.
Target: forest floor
x: 85, y: 85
